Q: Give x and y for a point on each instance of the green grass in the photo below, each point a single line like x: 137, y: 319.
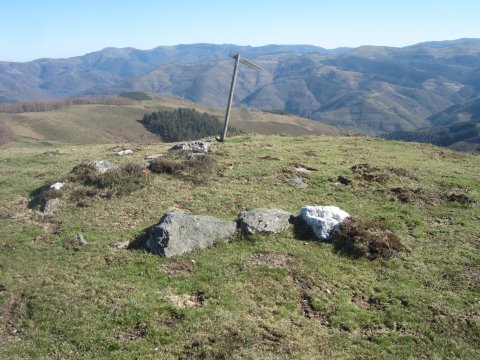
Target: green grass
x: 306, y: 301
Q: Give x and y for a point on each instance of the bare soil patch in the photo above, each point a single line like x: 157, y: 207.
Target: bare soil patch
x: 473, y: 275
x: 175, y: 268
x: 459, y: 198
x: 137, y: 332
x: 186, y: 300
x: 12, y: 312
x: 370, y: 173
x: 268, y: 157
x: 271, y: 259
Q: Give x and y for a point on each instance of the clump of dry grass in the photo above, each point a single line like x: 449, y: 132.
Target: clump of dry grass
x: 370, y: 238
x: 115, y: 182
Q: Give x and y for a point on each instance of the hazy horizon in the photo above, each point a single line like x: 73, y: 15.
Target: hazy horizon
x: 55, y: 29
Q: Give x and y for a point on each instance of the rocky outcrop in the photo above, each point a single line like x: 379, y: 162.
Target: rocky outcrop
x: 178, y: 233
x: 264, y: 220
x: 51, y: 206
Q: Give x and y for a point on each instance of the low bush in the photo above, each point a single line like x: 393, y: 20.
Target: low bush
x: 196, y: 169
x: 372, y: 239
x: 166, y: 166
x: 120, y: 181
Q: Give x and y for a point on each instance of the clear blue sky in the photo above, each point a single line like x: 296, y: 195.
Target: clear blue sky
x: 31, y: 29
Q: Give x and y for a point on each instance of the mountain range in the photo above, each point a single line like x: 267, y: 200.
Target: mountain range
x: 369, y: 89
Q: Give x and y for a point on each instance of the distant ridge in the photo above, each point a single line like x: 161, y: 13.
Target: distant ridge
x: 369, y: 89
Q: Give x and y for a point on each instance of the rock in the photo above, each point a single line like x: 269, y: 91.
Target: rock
x: 124, y: 152
x: 304, y: 170
x: 323, y: 220
x: 102, y: 166
x: 178, y: 233
x: 195, y: 156
x: 51, y: 206
x: 151, y: 158
x: 121, y: 244
x: 264, y: 220
x: 298, y: 182
x: 193, y: 146
x: 56, y: 186
x: 80, y: 239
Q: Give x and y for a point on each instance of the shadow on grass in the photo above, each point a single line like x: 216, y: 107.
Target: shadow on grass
x: 40, y: 195
x: 302, y: 231
x: 140, y: 241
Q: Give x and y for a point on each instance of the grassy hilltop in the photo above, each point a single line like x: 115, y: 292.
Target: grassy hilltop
x: 269, y: 296
x: 99, y: 124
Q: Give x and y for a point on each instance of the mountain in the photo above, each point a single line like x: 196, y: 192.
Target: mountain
x: 457, y: 127
x: 369, y: 89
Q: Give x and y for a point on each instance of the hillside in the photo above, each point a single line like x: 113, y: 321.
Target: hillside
x: 457, y: 127
x: 99, y: 124
x: 370, y: 89
x: 283, y: 296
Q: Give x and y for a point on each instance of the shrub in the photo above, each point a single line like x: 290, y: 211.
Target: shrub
x: 121, y: 181
x: 165, y: 166
x: 197, y: 169
x: 366, y: 238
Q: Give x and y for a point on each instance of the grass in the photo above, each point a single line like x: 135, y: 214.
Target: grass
x: 98, y: 124
x: 268, y: 296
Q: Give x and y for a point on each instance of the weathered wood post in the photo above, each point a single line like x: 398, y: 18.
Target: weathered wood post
x: 251, y: 65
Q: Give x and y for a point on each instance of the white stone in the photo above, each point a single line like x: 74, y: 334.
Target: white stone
x: 56, y: 186
x: 102, y: 166
x: 323, y: 220
x: 124, y: 152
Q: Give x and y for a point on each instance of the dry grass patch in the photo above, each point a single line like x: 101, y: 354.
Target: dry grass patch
x: 176, y: 268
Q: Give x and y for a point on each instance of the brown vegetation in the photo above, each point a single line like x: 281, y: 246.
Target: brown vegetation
x: 372, y: 239
x: 49, y: 105
x: 6, y: 135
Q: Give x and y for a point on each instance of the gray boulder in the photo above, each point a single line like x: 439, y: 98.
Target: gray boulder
x: 264, y: 220
x: 178, y: 233
x: 193, y: 146
x: 298, y: 182
x: 323, y: 220
x: 51, y: 206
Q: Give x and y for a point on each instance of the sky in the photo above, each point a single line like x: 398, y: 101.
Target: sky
x: 32, y: 29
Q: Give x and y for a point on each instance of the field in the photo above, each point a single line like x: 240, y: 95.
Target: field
x: 99, y: 124
x: 284, y: 296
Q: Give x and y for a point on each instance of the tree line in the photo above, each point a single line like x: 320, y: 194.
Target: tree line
x: 49, y: 105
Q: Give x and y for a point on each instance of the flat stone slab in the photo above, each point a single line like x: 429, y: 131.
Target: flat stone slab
x: 323, y: 220
x: 178, y: 233
x: 264, y: 220
x: 193, y: 146
x: 298, y: 182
